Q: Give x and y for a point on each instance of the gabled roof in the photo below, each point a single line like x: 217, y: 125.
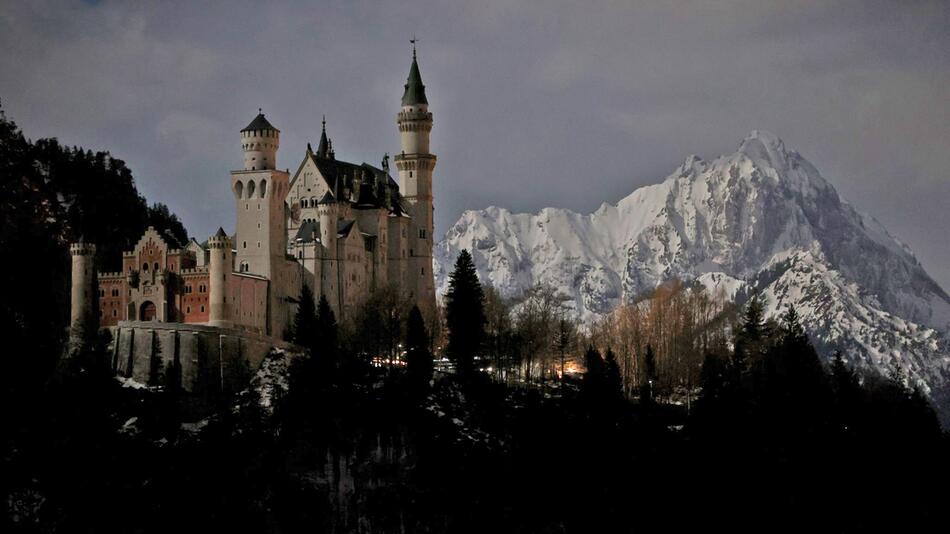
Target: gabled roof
x: 327, y: 199
x: 259, y: 123
x: 343, y: 227
x: 308, y: 232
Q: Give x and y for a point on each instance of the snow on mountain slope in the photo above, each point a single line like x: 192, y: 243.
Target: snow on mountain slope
x: 763, y: 219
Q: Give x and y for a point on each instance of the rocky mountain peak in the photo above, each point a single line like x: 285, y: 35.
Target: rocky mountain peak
x: 762, y: 219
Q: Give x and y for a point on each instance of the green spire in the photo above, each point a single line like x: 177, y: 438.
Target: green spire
x: 322, y: 148
x: 415, y: 92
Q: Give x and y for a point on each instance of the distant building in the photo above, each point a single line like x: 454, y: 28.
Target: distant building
x: 341, y: 228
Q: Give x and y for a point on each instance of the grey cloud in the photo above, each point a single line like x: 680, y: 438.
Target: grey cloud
x: 536, y: 102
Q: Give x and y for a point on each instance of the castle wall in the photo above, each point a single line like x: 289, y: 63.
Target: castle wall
x: 113, y: 298
x: 194, y: 296
x: 206, y: 361
x: 247, y: 295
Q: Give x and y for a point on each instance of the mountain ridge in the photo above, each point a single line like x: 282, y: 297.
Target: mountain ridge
x: 760, y: 219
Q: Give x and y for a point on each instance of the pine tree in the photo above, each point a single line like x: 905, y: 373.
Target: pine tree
x: 594, y: 375
x: 753, y: 320
x: 792, y: 333
x: 612, y: 379
x: 305, y: 330
x: 327, y: 338
x: 465, y: 313
x: 418, y: 357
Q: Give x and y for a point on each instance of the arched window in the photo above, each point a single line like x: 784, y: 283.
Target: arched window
x: 263, y: 188
x: 202, y: 308
x: 250, y: 189
x: 145, y: 266
x: 238, y: 189
x: 156, y: 266
x: 188, y: 309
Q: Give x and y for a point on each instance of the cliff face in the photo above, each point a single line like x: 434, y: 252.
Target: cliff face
x: 761, y: 219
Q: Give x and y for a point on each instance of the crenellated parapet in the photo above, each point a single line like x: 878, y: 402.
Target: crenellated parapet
x: 197, y: 271
x: 82, y: 249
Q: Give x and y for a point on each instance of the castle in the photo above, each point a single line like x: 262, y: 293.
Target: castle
x: 341, y: 228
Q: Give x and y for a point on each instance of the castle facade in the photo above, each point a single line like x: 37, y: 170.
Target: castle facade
x: 341, y: 228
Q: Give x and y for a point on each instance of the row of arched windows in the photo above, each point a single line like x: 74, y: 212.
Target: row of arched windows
x: 242, y: 191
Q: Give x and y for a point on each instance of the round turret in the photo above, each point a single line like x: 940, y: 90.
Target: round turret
x: 260, y: 141
x: 414, y: 119
x: 219, y: 268
x: 82, y: 296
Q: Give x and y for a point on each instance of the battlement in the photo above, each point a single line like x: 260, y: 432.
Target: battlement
x: 111, y: 275
x: 414, y: 115
x: 82, y: 249
x: 197, y: 271
x: 216, y: 242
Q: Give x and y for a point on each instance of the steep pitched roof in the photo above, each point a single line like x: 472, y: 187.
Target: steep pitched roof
x: 259, y: 123
x: 323, y: 146
x: 343, y: 227
x: 308, y: 232
x: 415, y: 92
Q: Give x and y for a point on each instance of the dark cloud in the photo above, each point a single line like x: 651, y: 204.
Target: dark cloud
x: 536, y: 103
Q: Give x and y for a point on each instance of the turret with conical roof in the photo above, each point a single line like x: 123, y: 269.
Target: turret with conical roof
x: 415, y: 92
x: 260, y: 141
x: 323, y: 147
x: 416, y: 164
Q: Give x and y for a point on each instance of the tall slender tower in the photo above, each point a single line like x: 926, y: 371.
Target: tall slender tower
x: 259, y: 191
x: 415, y: 165
x: 219, y: 271
x: 82, y: 314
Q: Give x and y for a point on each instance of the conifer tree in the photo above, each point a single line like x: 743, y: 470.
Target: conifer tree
x: 304, y: 332
x: 465, y: 313
x: 327, y: 338
x: 753, y: 320
x: 594, y: 375
x: 793, y: 333
x: 612, y: 379
x: 418, y: 356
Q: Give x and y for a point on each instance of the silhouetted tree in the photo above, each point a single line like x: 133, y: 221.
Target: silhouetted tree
x: 327, y: 338
x: 613, y: 381
x: 649, y: 376
x: 166, y: 223
x: 305, y: 328
x: 418, y: 357
x: 465, y: 313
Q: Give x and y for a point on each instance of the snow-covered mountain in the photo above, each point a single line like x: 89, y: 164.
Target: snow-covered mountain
x: 761, y: 219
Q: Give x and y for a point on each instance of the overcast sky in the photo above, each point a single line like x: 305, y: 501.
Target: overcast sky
x: 536, y: 103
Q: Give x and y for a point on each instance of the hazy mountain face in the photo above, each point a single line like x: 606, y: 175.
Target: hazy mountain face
x: 761, y: 219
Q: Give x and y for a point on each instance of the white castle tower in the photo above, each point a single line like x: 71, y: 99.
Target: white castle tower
x: 415, y: 165
x: 259, y: 191
x: 219, y: 273
x: 82, y: 312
